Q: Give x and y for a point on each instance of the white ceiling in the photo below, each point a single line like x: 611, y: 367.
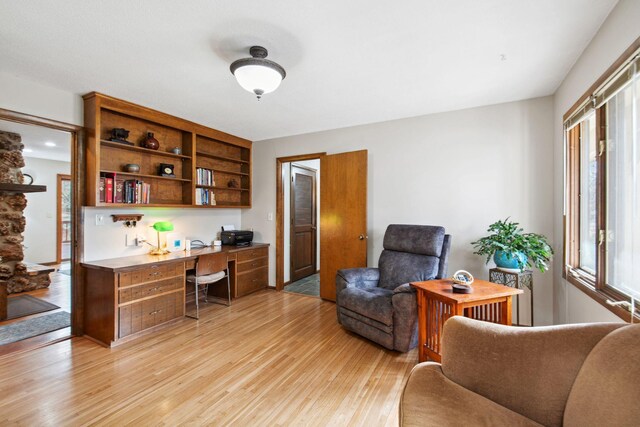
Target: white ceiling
x: 348, y: 62
x: 35, y: 139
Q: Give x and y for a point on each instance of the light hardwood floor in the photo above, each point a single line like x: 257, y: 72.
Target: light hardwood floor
x: 272, y: 358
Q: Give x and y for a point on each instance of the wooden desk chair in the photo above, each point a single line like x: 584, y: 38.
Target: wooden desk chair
x: 210, y: 268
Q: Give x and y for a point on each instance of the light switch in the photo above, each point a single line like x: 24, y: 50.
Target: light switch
x: 270, y: 216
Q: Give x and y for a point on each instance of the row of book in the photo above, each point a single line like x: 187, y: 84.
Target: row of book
x: 205, y: 197
x: 205, y: 177
x: 116, y: 189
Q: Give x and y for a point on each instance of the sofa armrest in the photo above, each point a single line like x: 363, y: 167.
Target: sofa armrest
x: 357, y: 278
x: 528, y: 370
x: 404, y: 289
x: 405, y: 318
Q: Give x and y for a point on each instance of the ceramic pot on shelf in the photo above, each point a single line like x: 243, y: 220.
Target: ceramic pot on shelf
x: 150, y: 142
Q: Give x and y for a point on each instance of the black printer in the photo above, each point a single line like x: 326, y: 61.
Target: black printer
x: 236, y: 237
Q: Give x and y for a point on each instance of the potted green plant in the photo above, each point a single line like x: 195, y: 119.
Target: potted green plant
x: 512, y: 248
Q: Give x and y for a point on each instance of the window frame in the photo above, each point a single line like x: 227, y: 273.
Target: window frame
x: 594, y: 286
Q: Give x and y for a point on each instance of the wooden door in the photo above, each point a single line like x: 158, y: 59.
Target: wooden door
x: 343, y: 216
x: 63, y: 218
x: 303, y: 222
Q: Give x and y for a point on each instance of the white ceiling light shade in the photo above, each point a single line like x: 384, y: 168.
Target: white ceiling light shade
x: 257, y: 74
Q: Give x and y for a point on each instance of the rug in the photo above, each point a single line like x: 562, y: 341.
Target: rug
x: 32, y: 327
x: 310, y: 285
x: 25, y: 305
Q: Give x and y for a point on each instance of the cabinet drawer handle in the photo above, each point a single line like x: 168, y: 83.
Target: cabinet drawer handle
x: 154, y: 289
x: 254, y: 264
x: 155, y: 312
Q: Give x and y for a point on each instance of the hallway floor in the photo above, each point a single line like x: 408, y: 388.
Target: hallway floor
x: 309, y: 285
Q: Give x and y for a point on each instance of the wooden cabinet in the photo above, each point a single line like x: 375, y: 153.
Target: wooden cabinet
x: 252, y: 270
x: 226, y: 157
x: 121, y: 305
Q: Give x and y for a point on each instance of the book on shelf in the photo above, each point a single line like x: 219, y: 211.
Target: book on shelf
x: 205, y: 197
x: 204, y: 176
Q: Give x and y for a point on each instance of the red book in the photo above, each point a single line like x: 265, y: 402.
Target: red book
x: 108, y: 183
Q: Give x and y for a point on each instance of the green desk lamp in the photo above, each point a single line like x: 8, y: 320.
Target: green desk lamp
x: 161, y: 226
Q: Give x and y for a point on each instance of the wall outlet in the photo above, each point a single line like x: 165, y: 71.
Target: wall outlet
x: 140, y: 239
x: 99, y: 219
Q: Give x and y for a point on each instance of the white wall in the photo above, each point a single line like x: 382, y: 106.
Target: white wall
x: 108, y: 240
x: 616, y: 34
x: 286, y: 171
x: 462, y: 170
x: 40, y: 232
x: 27, y: 96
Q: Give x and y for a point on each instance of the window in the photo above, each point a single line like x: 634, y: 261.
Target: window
x: 602, y: 197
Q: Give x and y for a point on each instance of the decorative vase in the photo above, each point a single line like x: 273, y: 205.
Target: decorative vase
x: 150, y: 142
x: 503, y: 261
x: 131, y: 168
x: 176, y: 150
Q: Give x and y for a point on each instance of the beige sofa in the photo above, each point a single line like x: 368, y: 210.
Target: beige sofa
x: 494, y: 375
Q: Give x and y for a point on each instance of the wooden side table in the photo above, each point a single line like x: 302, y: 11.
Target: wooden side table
x: 437, y: 302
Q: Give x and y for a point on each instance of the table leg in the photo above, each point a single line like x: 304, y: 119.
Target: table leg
x: 422, y: 326
x: 506, y: 311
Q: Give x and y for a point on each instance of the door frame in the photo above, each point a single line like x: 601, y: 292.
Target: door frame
x: 280, y: 211
x: 314, y: 215
x: 60, y: 177
x: 77, y: 134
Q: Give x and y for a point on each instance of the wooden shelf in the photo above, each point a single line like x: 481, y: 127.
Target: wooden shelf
x: 139, y: 175
x: 22, y: 188
x: 226, y: 155
x: 230, y: 172
x: 216, y: 187
x: 215, y: 156
x: 120, y: 146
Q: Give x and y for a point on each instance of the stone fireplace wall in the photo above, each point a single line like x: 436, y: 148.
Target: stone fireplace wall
x: 13, y: 273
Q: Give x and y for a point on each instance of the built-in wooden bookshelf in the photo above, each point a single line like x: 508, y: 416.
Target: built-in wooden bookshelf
x: 227, y: 157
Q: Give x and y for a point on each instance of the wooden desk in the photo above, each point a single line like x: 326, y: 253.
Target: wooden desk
x: 130, y: 296
x: 437, y: 303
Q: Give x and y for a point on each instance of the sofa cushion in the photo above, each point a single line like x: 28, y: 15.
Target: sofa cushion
x: 374, y: 303
x: 398, y: 268
x: 431, y: 399
x: 416, y: 239
x: 606, y: 391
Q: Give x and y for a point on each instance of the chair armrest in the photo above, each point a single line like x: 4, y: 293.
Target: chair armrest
x: 528, y: 370
x: 404, y: 289
x: 357, y: 278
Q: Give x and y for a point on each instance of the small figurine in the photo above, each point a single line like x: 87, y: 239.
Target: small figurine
x: 120, y: 135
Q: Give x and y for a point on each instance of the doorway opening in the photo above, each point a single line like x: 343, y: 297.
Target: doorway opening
x: 297, y: 224
x: 342, y: 223
x: 39, y: 296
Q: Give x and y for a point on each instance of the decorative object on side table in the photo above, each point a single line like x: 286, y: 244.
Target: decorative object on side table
x: 462, y: 281
x: 166, y: 169
x: 176, y: 150
x: 150, y: 142
x: 233, y: 183
x: 131, y: 168
x: 120, y: 135
x: 512, y: 249
x: 161, y: 227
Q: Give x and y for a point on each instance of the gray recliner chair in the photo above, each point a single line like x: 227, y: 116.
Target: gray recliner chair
x: 378, y: 303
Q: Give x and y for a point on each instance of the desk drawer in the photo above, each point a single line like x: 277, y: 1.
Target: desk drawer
x: 252, y: 264
x: 249, y: 254
x: 252, y: 281
x: 151, y: 273
x: 146, y: 314
x: 149, y: 289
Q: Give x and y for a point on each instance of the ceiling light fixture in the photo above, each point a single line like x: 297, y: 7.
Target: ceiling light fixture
x: 50, y: 144
x: 257, y: 74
